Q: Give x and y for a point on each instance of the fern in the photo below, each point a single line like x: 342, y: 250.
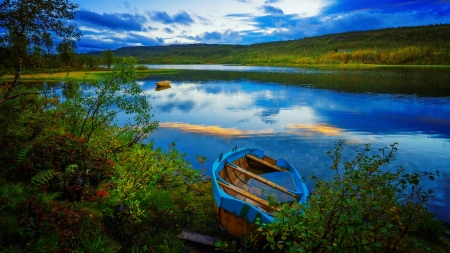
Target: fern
x: 70, y: 169
x: 44, y: 177
x: 22, y: 155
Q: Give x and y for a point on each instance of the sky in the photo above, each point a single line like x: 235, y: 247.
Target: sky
x: 120, y: 23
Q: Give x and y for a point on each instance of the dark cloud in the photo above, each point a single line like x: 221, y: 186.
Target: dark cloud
x: 386, y: 6
x: 168, y: 30
x: 203, y: 21
x: 279, y: 21
x: 253, y: 37
x: 271, y: 1
x: 208, y: 36
x: 353, y: 21
x: 90, y: 43
x: 181, y: 18
x: 228, y: 36
x: 238, y: 15
x: 268, y: 9
x: 116, y: 21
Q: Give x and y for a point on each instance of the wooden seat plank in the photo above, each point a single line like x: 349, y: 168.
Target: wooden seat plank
x: 263, y: 180
x: 250, y: 196
x: 254, y: 158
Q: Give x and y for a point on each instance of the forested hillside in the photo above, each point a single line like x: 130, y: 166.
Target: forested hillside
x: 406, y: 45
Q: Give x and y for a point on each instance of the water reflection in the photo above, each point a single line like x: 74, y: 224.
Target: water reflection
x: 209, y: 116
x: 311, y: 129
x: 212, y: 130
x: 162, y: 88
x: 428, y: 82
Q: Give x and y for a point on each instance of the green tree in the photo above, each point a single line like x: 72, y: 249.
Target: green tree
x: 88, y: 112
x: 108, y: 57
x: 88, y: 61
x: 26, y: 19
x: 48, y: 42
x: 66, y: 50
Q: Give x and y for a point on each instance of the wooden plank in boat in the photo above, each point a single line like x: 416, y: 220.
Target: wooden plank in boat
x: 265, y: 163
x: 196, y: 237
x: 269, y: 159
x: 263, y: 180
x: 250, y: 196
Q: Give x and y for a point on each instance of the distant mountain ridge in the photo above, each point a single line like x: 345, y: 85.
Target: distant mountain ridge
x: 422, y: 45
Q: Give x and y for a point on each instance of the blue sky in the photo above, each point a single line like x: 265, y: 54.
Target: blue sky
x: 118, y: 23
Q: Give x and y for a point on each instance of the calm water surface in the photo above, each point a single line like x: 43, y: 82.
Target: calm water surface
x: 305, y: 113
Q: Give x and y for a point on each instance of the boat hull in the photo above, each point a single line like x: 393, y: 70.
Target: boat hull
x: 241, y: 210
x: 234, y: 225
x: 163, y: 84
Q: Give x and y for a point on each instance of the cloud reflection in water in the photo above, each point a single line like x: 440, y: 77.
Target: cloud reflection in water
x: 213, y: 130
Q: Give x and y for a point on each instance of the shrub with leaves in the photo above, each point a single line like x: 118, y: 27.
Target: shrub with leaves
x: 363, y: 208
x: 144, y: 168
x: 93, y: 110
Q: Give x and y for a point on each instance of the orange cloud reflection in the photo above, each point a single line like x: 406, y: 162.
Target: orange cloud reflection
x: 310, y: 129
x: 212, y: 130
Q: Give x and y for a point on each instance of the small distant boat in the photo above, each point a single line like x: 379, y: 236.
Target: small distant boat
x: 244, y: 179
x: 165, y: 83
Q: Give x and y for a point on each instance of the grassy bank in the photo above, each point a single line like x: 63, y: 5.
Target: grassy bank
x: 79, y: 76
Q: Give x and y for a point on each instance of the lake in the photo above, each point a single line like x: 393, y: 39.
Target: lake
x: 300, y: 113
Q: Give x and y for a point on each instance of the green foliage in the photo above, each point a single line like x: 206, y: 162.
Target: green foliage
x: 87, y: 61
x: 143, y: 169
x: 96, y: 241
x: 66, y: 50
x: 108, y: 57
x: 33, y: 222
x: 161, y: 200
x: 87, y: 111
x: 22, y: 155
x: 42, y: 178
x: 363, y: 208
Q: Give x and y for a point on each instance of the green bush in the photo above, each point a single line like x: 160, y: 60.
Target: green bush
x: 363, y: 208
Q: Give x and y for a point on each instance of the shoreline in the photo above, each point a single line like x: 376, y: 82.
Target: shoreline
x: 97, y: 75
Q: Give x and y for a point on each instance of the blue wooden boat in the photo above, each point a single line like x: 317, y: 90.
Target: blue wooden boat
x: 244, y: 179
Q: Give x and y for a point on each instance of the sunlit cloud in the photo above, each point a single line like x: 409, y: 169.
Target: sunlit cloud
x: 314, y: 129
x: 212, y: 130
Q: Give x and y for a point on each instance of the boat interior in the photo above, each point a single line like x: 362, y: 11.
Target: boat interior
x: 256, y: 181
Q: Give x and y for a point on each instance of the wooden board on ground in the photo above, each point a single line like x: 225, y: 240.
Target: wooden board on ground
x: 196, y: 237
